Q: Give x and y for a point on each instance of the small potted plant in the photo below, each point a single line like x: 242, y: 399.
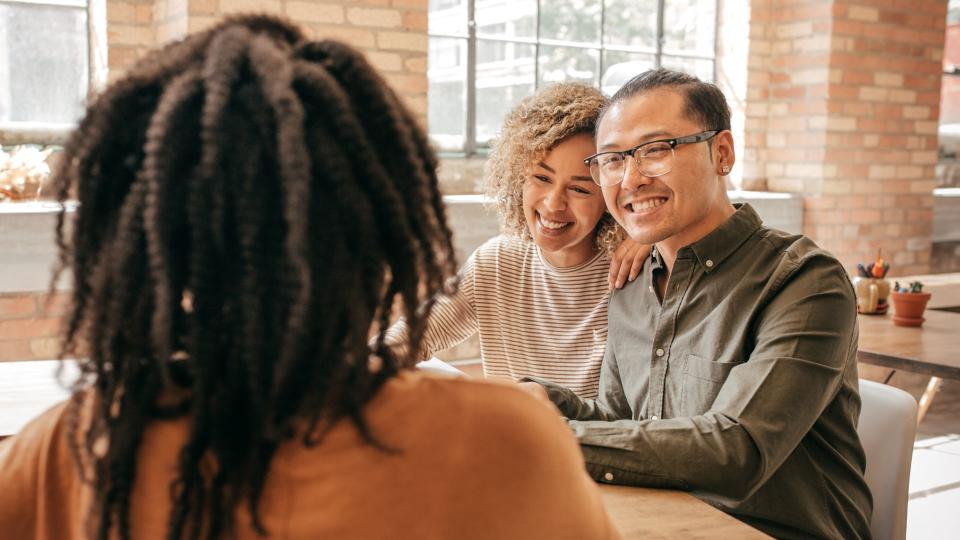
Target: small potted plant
x: 909, y: 303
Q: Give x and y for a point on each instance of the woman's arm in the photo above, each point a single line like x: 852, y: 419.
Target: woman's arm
x: 626, y: 262
x: 452, y: 320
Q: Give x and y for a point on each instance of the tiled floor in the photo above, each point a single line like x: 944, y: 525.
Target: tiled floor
x: 934, y: 507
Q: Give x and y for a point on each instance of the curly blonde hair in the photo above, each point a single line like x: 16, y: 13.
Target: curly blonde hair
x: 534, y: 127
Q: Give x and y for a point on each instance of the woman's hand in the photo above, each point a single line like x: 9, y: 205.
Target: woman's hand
x: 626, y: 262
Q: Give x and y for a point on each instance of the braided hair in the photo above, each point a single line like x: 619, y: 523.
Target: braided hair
x: 251, y: 206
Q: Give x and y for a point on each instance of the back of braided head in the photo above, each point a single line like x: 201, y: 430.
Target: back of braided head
x: 250, y: 204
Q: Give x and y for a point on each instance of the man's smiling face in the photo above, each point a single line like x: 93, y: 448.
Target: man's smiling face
x: 682, y: 205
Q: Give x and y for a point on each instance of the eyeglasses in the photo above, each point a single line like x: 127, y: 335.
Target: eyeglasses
x: 654, y: 158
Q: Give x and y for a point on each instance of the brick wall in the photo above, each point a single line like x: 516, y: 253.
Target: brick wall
x: 843, y: 104
x: 392, y: 33
x: 29, y: 325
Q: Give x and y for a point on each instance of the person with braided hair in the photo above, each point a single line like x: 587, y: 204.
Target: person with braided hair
x: 251, y: 205
x: 536, y: 296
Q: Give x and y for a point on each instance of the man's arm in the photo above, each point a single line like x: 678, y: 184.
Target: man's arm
x: 611, y: 405
x: 763, y: 410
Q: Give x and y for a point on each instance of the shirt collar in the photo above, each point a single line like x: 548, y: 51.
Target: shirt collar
x: 656, y: 263
x: 714, y: 248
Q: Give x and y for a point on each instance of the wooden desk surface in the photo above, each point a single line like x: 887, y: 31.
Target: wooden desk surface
x: 932, y: 349
x: 661, y: 513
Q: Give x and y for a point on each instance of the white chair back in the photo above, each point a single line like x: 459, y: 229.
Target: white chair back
x: 887, y: 428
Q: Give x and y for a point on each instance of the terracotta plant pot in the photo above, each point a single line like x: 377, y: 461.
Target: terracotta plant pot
x: 908, y: 308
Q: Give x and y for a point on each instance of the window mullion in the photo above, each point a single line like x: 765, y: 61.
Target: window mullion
x: 603, y: 20
x: 536, y: 50
x: 470, y: 139
x: 657, y: 62
x: 716, y: 32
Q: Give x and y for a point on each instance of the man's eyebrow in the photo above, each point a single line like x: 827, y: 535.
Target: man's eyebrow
x: 547, y: 167
x: 646, y: 137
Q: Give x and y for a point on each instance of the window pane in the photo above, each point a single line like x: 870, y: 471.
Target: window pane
x: 448, y: 17
x: 701, y: 68
x: 948, y: 161
x: 568, y: 64
x: 501, y: 85
x: 690, y: 26
x: 620, y: 67
x: 446, y: 94
x: 506, y: 18
x: 630, y: 22
x: 571, y: 20
x: 43, y: 63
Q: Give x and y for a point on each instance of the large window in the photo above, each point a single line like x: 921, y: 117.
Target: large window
x: 486, y: 55
x: 44, y: 65
x: 948, y: 165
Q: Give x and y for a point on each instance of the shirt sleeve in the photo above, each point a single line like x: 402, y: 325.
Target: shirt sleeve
x: 452, y: 320
x: 805, y: 339
x: 610, y: 405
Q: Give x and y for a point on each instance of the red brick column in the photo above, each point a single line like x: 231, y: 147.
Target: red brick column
x: 843, y: 107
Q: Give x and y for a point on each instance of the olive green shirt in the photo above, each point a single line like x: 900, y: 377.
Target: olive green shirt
x: 740, y: 385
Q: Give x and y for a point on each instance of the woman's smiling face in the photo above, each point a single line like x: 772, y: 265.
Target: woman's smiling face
x: 562, y: 205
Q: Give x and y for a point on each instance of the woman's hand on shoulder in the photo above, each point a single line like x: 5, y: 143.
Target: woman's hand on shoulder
x: 626, y: 262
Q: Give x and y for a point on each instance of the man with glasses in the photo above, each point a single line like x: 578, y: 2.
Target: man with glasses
x: 730, y: 368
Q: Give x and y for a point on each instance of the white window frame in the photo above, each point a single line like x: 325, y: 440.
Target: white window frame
x: 471, y: 146
x: 12, y: 133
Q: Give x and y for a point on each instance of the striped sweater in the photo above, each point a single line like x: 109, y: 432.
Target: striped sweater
x: 532, y: 319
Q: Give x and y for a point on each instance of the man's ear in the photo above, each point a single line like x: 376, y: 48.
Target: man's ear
x: 724, y: 155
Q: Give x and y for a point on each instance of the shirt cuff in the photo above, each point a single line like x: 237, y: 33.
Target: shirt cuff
x: 564, y: 398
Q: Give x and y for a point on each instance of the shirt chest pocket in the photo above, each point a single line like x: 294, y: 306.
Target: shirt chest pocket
x: 700, y: 384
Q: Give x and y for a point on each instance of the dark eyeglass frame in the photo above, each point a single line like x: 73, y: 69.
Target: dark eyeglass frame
x: 674, y: 143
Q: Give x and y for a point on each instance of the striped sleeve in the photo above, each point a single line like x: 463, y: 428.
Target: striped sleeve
x: 452, y: 320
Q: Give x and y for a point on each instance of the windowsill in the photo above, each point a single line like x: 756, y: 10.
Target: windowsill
x: 28, y: 250
x: 42, y: 133
x: 34, y: 207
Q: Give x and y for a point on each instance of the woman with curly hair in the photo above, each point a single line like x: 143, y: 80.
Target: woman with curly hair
x: 251, y: 204
x: 537, y: 294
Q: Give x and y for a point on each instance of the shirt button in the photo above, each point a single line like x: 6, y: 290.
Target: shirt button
x: 659, y: 352
x: 709, y: 263
x: 608, y: 476
x: 651, y: 288
x: 654, y: 417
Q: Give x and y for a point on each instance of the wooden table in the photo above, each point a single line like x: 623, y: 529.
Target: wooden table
x: 660, y: 513
x: 932, y: 349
